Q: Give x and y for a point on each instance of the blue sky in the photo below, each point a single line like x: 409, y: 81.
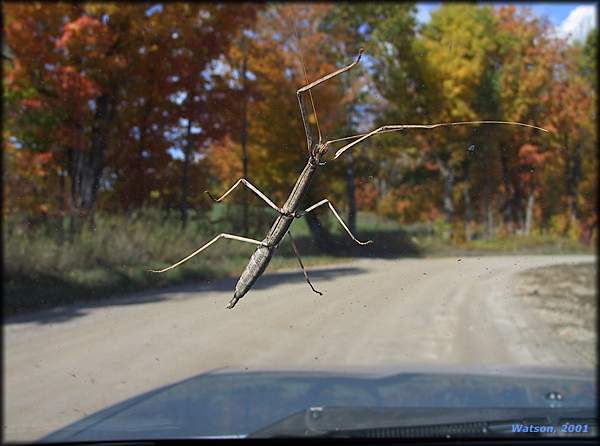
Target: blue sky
x: 558, y: 13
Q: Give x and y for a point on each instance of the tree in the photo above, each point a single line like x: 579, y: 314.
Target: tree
x: 206, y: 33
x: 276, y: 138
x: 526, y: 63
x: 438, y: 73
x: 350, y: 27
x: 103, y: 78
x: 570, y: 105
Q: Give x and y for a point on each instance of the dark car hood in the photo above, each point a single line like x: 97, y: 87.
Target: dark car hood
x: 229, y: 402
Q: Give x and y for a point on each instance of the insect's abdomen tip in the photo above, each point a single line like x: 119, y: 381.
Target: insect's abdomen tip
x: 233, y: 301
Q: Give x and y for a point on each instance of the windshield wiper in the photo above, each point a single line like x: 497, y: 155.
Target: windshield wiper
x: 418, y: 422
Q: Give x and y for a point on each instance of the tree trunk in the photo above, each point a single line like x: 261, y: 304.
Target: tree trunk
x: 448, y: 178
x: 85, y: 166
x: 244, y: 138
x: 507, y: 208
x: 489, y: 216
x: 61, y: 206
x: 489, y: 220
x: 573, y: 178
x: 468, y: 211
x: 320, y: 234
x: 185, y: 176
x: 382, y: 186
x: 142, y: 187
x: 350, y: 192
x: 529, y: 212
x: 518, y: 204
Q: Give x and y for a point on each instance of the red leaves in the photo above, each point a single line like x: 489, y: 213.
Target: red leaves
x: 431, y: 166
x: 366, y: 195
x: 530, y: 160
x: 33, y: 103
x: 86, y: 34
x: 75, y: 85
x: 42, y: 158
x: 82, y: 29
x: 530, y: 154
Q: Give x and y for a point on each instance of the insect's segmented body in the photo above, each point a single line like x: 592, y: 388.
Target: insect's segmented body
x: 263, y: 254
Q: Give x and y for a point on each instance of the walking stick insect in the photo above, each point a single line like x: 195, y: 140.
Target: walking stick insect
x: 316, y: 152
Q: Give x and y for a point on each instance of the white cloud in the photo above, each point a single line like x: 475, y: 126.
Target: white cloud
x: 579, y: 23
x: 424, y: 11
x: 423, y: 15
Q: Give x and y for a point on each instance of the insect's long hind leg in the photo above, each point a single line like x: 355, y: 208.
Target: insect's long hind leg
x: 250, y: 186
x: 322, y: 202
x: 199, y: 250
x: 301, y: 264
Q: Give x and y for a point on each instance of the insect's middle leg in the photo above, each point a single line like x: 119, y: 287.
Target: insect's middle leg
x: 301, y: 264
x: 322, y: 202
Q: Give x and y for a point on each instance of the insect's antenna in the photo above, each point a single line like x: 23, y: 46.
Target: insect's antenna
x: 312, y: 103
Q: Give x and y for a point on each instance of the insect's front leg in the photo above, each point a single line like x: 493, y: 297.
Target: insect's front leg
x: 250, y: 186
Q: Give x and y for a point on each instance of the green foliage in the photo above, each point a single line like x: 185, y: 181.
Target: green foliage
x: 590, y: 58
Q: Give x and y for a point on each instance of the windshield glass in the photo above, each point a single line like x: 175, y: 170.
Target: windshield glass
x: 247, y: 219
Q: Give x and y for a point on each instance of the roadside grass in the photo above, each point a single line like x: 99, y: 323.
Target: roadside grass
x: 41, y: 272
x: 533, y: 244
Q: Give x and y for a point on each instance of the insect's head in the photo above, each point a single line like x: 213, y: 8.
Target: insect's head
x: 318, y: 153
x: 322, y: 149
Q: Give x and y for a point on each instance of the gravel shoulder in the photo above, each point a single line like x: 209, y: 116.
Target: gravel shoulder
x: 564, y: 299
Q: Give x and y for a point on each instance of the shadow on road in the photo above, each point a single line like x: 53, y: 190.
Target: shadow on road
x: 63, y: 313
x: 57, y: 299
x: 386, y: 245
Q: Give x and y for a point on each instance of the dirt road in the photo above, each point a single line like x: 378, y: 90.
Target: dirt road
x: 61, y: 365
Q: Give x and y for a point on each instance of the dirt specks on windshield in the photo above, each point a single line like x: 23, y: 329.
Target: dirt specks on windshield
x: 565, y: 298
